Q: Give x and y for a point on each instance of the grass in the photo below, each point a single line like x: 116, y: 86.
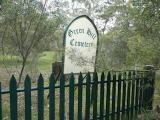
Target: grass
x: 45, y: 61
x: 44, y: 66
x: 11, y: 64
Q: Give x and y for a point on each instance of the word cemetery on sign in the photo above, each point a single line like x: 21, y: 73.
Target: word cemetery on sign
x: 80, y: 43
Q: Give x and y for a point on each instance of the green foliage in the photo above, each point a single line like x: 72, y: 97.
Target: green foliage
x: 135, y: 32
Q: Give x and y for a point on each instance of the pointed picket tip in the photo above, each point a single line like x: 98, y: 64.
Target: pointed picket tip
x: 27, y: 80
x: 40, y: 79
x: 13, y: 79
x: 40, y: 76
x: 109, y: 76
x: 88, y: 75
x: 125, y: 74
x: 80, y: 77
x: 119, y: 76
x: 27, y: 77
x: 72, y: 76
x: 52, y: 77
x: 102, y: 76
x: 88, y: 79
x: 95, y: 76
x: 80, y: 74
x: 114, y: 77
x: 129, y: 75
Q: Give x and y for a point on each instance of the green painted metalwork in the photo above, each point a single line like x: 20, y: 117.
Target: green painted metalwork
x: 40, y: 98
x: 13, y: 99
x: 27, y: 93
x: 88, y: 85
x: 128, y: 95
x: 133, y: 95
x: 124, y: 96
x: 119, y: 97
x: 102, y: 96
x: 95, y: 91
x: 137, y: 95
x: 62, y: 98
x: 108, y: 96
x: 52, y: 97
x: 80, y: 91
x: 71, y: 97
x: 113, y: 98
x: 141, y: 92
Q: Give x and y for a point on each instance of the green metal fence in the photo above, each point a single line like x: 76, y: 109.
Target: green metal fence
x: 115, y: 96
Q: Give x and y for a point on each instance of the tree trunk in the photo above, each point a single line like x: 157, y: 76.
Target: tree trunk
x: 22, y: 70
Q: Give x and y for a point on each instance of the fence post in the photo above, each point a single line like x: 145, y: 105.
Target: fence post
x: 71, y: 97
x: 52, y: 97
x: 137, y: 93
x: 27, y: 93
x: 133, y: 95
x: 128, y: 95
x: 40, y: 98
x: 95, y: 91
x: 80, y: 91
x: 148, y: 91
x: 88, y: 96
x: 119, y: 97
x: 108, y: 96
x: 62, y: 98
x: 124, y: 96
x: 102, y: 96
x: 114, y: 98
x: 13, y: 98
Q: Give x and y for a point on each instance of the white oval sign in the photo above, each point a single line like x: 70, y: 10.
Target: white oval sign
x: 80, y: 43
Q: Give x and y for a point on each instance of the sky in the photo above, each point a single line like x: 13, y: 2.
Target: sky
x: 99, y: 23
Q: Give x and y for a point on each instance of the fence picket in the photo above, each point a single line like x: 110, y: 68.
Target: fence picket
x: 95, y: 91
x: 80, y: 91
x: 71, y: 97
x: 62, y: 98
x: 102, y: 96
x: 124, y: 96
x: 52, y: 97
x: 108, y: 96
x: 141, y: 93
x: 27, y: 93
x: 13, y: 99
x: 137, y: 95
x: 113, y: 98
x: 88, y: 85
x: 128, y: 95
x: 119, y: 97
x: 133, y: 95
x: 40, y: 98
x: 0, y: 103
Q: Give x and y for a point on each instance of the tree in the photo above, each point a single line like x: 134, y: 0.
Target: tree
x: 138, y: 27
x: 25, y: 26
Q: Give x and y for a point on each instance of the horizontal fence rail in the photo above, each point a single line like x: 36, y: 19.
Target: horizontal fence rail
x: 111, y: 96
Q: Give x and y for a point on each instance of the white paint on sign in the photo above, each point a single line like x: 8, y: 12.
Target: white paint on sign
x: 81, y: 39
